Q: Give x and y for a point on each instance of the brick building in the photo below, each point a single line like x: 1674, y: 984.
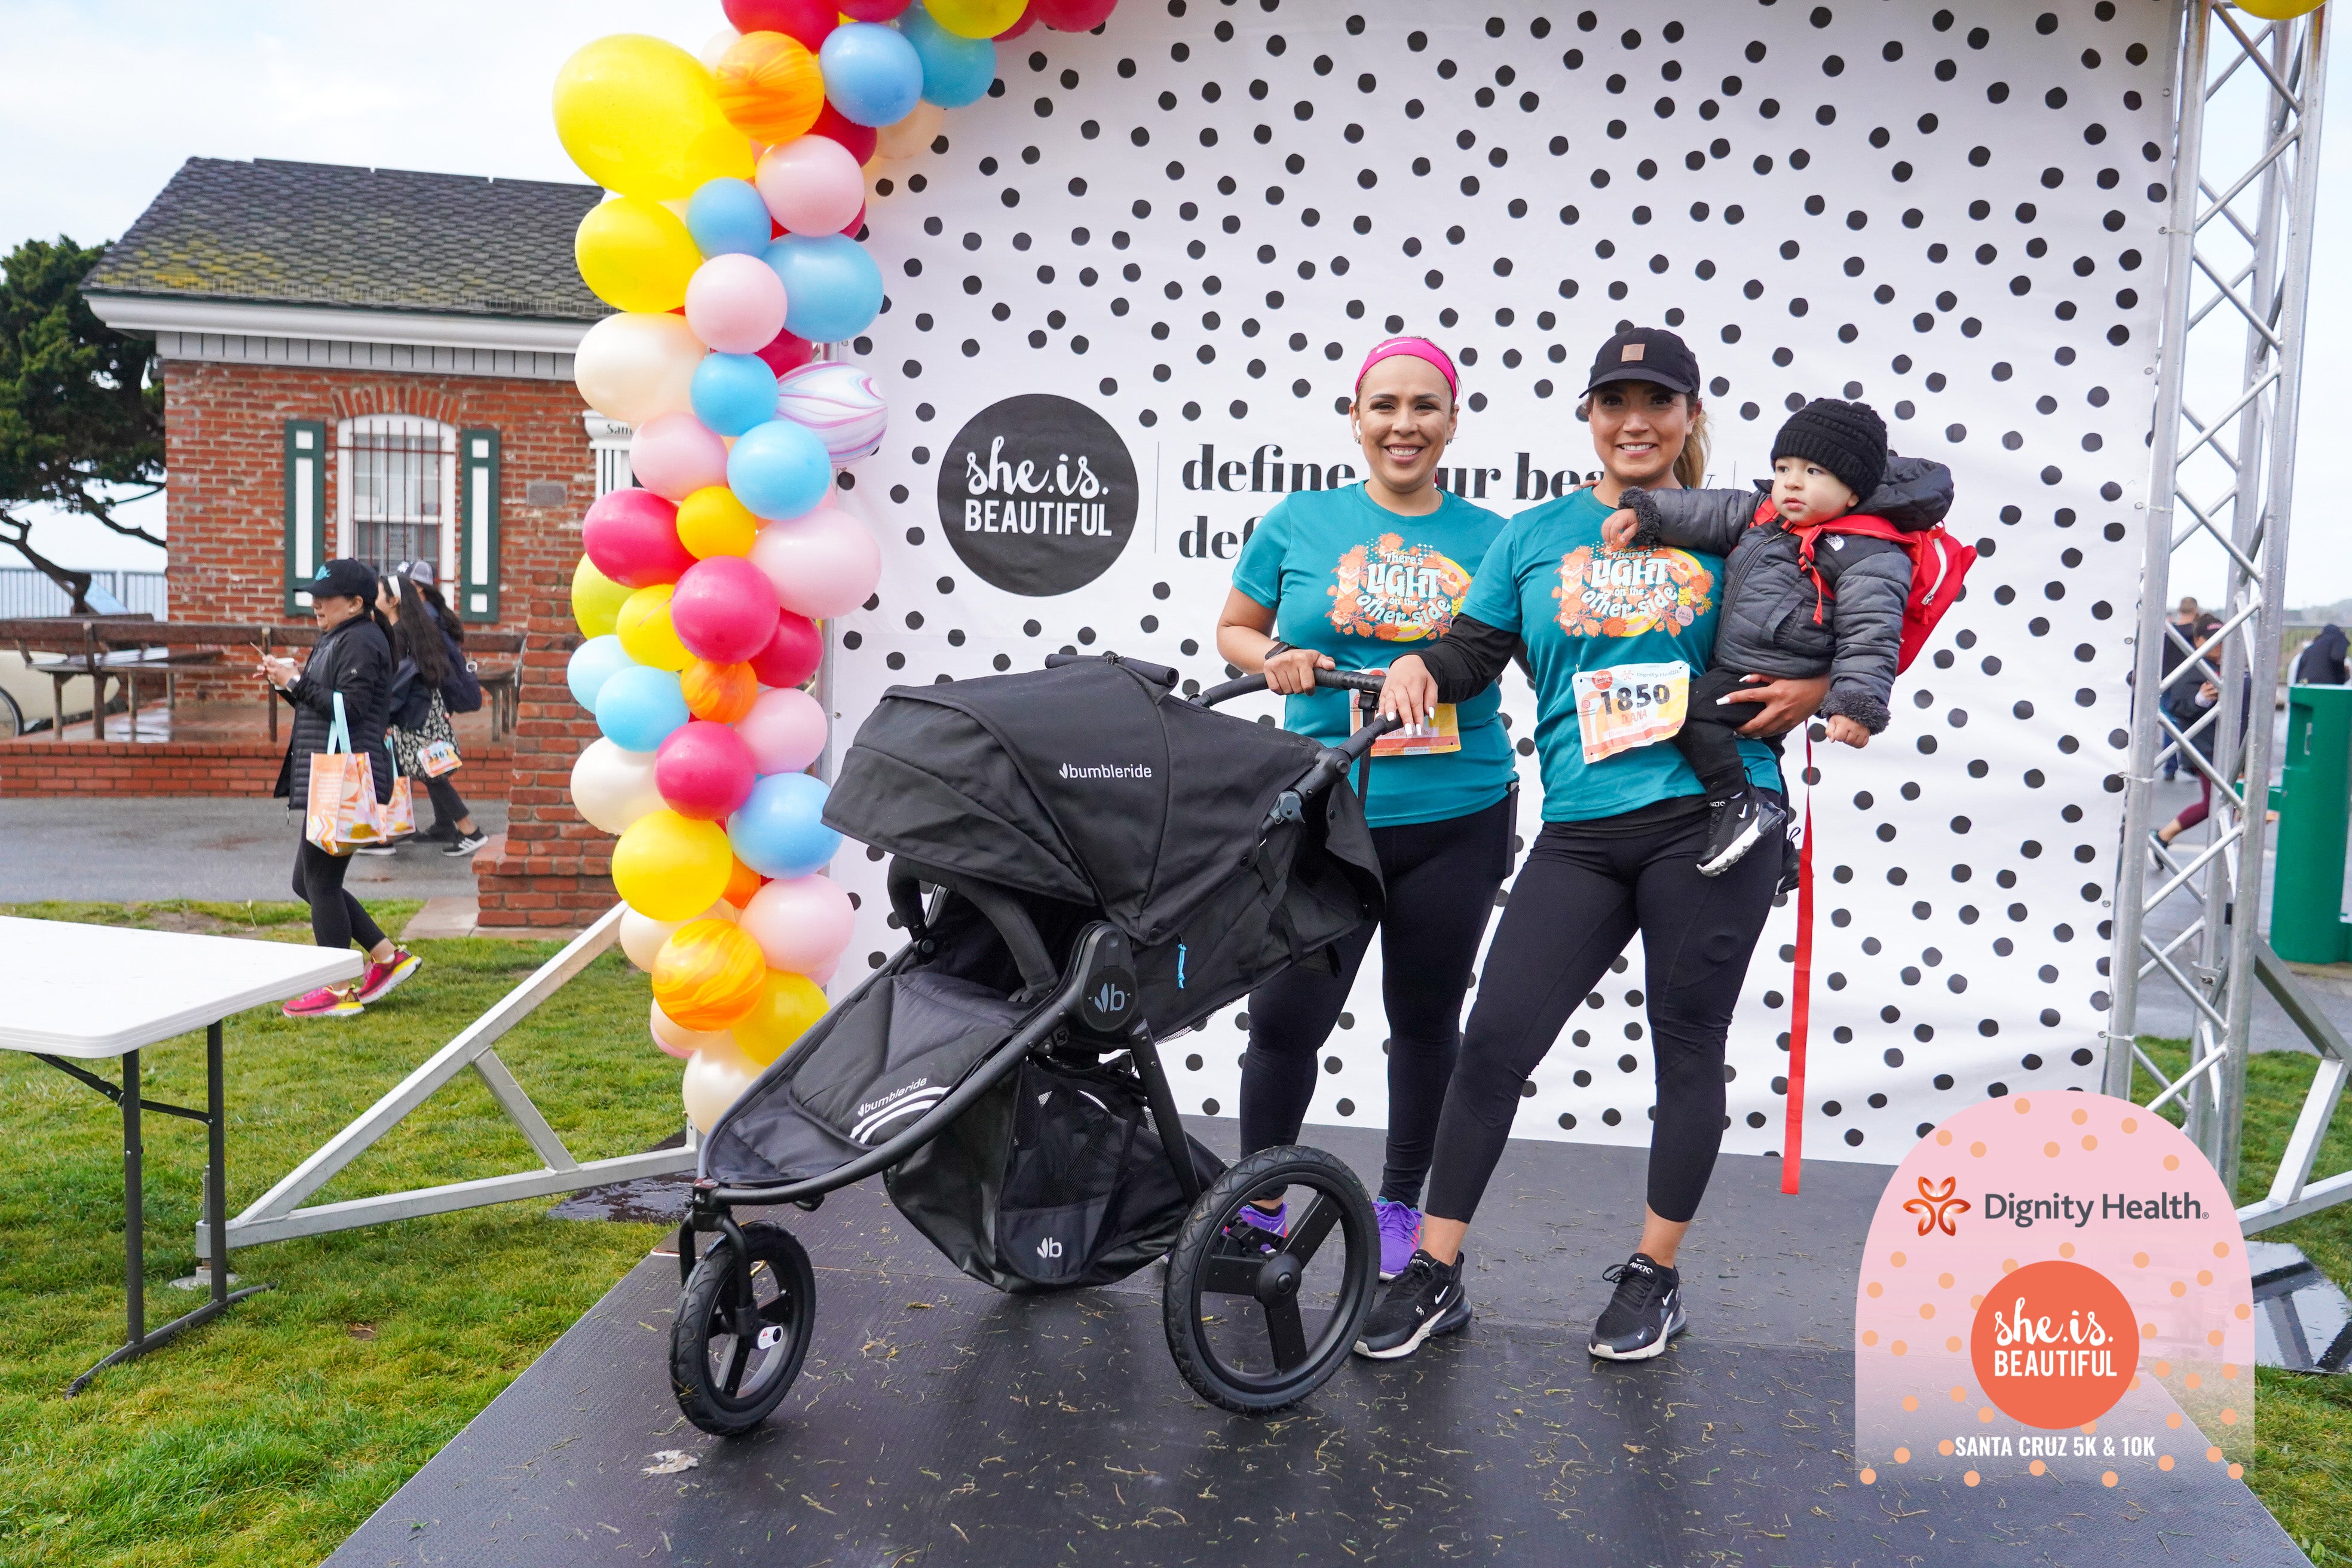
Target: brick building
x: 377, y: 364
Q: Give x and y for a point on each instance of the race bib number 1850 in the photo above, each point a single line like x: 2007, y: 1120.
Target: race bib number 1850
x: 1630, y: 705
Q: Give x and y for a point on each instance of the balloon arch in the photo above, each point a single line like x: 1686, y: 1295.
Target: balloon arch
x: 728, y: 249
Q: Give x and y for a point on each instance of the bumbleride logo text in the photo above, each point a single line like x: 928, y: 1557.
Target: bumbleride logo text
x: 1107, y: 771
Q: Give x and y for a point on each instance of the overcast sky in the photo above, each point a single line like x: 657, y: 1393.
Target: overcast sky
x: 101, y: 102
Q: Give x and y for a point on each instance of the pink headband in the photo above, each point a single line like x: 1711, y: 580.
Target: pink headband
x: 1420, y: 349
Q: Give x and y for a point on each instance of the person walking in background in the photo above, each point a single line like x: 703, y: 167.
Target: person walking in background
x: 2322, y: 661
x: 417, y: 713
x: 353, y: 660
x: 461, y: 692
x: 2177, y: 700
x: 1341, y: 578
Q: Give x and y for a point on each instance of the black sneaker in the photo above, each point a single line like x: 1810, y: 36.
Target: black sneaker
x: 466, y: 843
x: 1791, y: 863
x: 1741, y: 822
x: 1645, y: 1313
x: 1427, y: 1298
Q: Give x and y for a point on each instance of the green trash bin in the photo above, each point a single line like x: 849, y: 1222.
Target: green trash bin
x: 2315, y: 807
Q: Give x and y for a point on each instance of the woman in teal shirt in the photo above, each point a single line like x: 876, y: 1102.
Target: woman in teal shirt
x: 1341, y: 579
x: 1613, y: 638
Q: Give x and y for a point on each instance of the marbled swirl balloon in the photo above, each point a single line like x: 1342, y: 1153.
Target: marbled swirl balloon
x: 840, y: 402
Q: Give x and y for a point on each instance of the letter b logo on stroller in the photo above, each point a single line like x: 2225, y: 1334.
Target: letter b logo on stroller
x: 1049, y: 1248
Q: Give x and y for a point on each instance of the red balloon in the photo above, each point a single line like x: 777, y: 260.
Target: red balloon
x: 873, y: 10
x: 807, y: 20
x: 792, y: 653
x: 704, y: 769
x: 1072, y: 16
x: 724, y: 610
x: 859, y: 139
x: 631, y: 536
x: 1028, y: 20
x: 788, y: 353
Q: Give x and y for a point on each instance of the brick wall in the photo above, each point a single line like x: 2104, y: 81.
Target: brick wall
x: 224, y: 428
x: 36, y: 767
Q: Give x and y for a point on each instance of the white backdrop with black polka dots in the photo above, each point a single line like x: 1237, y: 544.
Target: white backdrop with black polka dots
x: 1197, y: 220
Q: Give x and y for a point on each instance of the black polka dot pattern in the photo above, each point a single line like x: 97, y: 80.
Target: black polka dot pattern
x: 1197, y: 221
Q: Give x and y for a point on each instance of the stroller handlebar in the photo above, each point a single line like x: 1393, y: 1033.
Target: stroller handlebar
x: 1157, y: 674
x: 1369, y: 682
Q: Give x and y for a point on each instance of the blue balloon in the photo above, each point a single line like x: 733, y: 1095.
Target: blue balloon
x: 727, y: 217
x: 833, y: 290
x: 779, y: 469
x: 638, y: 707
x: 780, y: 831
x: 731, y: 392
x: 593, y: 662
x: 871, y: 74
x: 956, y: 70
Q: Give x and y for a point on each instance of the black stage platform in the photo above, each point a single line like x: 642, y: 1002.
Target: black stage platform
x: 939, y: 1422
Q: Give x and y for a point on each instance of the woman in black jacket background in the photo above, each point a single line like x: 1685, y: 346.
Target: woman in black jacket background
x: 352, y: 659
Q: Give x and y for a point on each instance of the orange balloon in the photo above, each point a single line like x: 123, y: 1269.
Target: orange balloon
x: 769, y: 86
x: 741, y: 883
x: 709, y: 975
x: 721, y: 693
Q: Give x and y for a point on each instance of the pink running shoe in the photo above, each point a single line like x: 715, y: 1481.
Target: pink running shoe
x: 326, y: 1001
x: 380, y: 978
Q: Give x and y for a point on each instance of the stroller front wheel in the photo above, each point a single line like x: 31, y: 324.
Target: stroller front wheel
x: 740, y: 1338
x: 1258, y: 1320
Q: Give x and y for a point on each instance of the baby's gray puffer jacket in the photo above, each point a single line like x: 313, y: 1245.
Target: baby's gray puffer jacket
x: 1769, y: 624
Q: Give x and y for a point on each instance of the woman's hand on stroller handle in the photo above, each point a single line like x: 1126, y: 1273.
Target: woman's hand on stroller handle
x: 1334, y: 679
x: 1408, y: 696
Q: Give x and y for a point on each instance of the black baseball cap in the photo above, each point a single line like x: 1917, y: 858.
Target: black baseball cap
x: 1646, y: 353
x: 344, y: 579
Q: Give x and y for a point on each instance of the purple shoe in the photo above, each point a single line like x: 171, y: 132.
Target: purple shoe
x: 1400, y: 1234
x: 1257, y: 1230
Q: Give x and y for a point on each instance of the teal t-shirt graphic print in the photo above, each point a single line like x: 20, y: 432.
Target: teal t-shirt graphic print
x: 1347, y: 577
x: 1579, y: 605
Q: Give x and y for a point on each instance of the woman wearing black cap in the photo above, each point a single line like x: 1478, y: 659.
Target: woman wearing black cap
x: 352, y: 659
x: 1623, y: 821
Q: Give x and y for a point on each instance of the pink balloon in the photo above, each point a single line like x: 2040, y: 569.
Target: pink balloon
x: 823, y: 564
x: 674, y: 1038
x: 631, y: 536
x: 792, y: 653
x: 704, y: 770
x: 812, y: 184
x: 1072, y: 16
x: 674, y: 455
x: 735, y: 303
x: 785, y: 731
x: 802, y: 923
x: 724, y: 609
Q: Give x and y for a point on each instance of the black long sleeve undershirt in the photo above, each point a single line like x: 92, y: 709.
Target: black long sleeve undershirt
x: 1468, y: 659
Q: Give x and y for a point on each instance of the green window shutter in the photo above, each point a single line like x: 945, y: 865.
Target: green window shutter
x: 306, y: 509
x: 477, y: 517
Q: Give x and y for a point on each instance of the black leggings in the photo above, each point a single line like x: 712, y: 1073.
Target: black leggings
x: 448, y: 808
x: 1441, y: 878
x: 335, y: 916
x: 1709, y: 738
x: 1581, y: 895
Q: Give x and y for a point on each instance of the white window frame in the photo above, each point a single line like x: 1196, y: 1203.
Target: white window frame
x: 346, y: 531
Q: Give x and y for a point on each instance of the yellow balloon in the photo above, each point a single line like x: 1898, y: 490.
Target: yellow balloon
x: 711, y: 522
x: 671, y: 867
x: 975, y: 18
x: 2277, y: 10
x: 596, y: 599
x: 788, y: 1005
x: 635, y: 255
x: 641, y: 117
x: 646, y: 633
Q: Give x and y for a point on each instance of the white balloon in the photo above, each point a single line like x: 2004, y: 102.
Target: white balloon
x: 717, y: 45
x: 913, y: 134
x: 642, y: 938
x: 716, y: 1076
x: 612, y: 788
x: 676, y: 1040
x: 637, y: 365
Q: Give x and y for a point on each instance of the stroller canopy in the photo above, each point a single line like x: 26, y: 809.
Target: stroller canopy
x: 1088, y: 784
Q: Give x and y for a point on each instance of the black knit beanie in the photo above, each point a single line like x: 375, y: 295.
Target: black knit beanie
x: 1849, y: 440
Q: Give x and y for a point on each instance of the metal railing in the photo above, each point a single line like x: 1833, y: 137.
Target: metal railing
x: 2246, y: 187
x: 25, y: 592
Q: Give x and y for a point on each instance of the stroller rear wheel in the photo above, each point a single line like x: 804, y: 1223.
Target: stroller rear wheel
x: 738, y: 1341
x: 1258, y: 1320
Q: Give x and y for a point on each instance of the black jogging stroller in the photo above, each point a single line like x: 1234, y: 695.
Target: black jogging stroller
x: 1107, y: 864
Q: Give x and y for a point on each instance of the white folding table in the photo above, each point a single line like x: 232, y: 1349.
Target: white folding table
x: 88, y: 992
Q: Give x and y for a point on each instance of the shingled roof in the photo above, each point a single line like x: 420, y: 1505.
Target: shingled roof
x: 385, y: 240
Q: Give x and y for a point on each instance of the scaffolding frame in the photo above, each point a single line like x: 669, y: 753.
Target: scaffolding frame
x: 2238, y: 254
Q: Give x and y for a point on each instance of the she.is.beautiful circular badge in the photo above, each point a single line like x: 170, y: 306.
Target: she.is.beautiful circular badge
x: 2055, y: 1285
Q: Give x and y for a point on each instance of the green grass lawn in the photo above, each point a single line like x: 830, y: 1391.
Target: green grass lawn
x: 266, y: 1436
x: 2301, y: 1468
